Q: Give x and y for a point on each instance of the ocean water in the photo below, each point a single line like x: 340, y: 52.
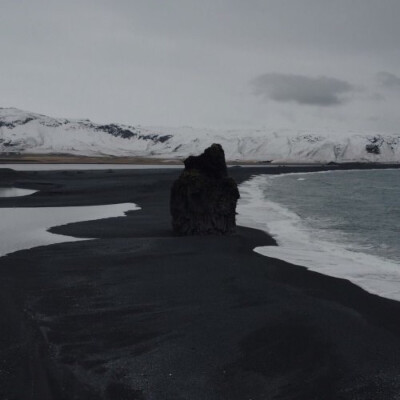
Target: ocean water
x: 340, y: 223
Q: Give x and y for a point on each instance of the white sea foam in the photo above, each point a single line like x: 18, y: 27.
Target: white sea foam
x: 298, y: 245
x: 24, y: 228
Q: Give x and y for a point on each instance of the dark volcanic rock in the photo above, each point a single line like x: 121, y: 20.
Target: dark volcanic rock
x: 203, y: 199
x: 373, y: 148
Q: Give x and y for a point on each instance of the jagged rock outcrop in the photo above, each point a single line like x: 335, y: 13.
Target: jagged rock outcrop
x: 203, y: 199
x: 373, y: 148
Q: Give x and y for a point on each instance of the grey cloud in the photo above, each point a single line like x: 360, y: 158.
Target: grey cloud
x: 320, y: 91
x: 377, y: 97
x: 387, y: 79
x: 187, y: 62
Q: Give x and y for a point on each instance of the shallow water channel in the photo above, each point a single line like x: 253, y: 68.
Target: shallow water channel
x: 15, y: 192
x: 25, y: 227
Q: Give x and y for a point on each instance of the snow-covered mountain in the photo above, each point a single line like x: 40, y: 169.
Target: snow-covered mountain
x: 25, y: 132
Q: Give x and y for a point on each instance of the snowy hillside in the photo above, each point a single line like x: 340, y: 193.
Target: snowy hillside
x: 25, y: 132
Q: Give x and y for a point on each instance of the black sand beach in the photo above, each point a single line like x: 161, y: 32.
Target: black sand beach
x: 140, y: 314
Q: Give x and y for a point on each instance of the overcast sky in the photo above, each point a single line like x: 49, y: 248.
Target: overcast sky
x: 306, y: 64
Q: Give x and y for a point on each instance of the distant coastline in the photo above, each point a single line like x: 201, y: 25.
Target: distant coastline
x: 77, y: 159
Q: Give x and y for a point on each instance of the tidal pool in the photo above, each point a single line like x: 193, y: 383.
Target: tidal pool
x: 15, y: 192
x: 24, y: 228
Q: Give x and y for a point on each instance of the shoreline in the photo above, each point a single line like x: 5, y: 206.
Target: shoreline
x: 140, y: 313
x: 140, y: 160
x: 300, y: 244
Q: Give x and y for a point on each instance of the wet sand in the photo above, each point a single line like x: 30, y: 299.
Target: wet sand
x: 142, y: 314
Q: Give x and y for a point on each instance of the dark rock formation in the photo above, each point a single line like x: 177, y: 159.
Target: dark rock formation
x: 130, y: 133
x: 203, y: 199
x: 373, y: 148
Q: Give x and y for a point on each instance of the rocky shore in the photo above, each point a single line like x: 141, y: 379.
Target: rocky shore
x: 140, y: 313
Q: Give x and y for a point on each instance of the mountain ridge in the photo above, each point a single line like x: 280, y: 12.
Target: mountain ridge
x: 23, y: 132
